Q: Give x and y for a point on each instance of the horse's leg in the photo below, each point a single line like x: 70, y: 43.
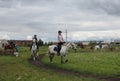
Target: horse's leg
x: 51, y: 57
x: 75, y: 50
x: 66, y: 59
x: 95, y: 49
x: 61, y: 59
x: 37, y: 53
x: 31, y: 54
x: 101, y: 49
x: 34, y: 55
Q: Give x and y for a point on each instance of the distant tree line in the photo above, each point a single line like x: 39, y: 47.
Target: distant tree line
x: 41, y: 43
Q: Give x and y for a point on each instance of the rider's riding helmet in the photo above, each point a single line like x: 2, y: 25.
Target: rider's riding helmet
x: 59, y: 31
x: 35, y: 35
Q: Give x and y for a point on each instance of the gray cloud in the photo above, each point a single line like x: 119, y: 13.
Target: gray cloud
x: 46, y: 17
x: 6, y: 3
x: 104, y: 6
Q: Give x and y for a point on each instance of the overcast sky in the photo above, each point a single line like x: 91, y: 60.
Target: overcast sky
x: 83, y: 19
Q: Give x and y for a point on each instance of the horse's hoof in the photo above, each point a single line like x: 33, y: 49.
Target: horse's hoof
x: 66, y: 61
x: 34, y: 58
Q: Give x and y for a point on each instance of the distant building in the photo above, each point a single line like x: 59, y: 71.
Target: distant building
x: 117, y: 42
x: 87, y: 42
x: 22, y: 42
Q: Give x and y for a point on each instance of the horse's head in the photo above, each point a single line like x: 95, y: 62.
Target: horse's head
x: 72, y: 45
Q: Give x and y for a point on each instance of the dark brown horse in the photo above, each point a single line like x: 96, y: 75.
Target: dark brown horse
x: 9, y: 48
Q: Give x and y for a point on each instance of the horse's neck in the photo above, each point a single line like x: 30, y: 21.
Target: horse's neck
x: 67, y: 45
x: 34, y: 45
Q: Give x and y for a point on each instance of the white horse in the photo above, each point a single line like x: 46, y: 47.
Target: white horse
x: 63, y: 51
x: 34, y: 50
x: 97, y: 47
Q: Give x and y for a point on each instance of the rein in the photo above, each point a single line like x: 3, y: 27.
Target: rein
x: 66, y: 44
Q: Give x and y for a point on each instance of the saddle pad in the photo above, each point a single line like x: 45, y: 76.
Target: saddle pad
x: 55, y: 48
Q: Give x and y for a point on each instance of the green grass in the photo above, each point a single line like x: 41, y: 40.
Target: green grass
x: 19, y: 69
x: 103, y: 64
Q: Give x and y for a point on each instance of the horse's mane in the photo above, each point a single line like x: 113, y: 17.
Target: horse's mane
x: 65, y: 44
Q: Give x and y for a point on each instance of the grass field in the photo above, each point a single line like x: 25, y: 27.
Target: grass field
x: 19, y: 69
x: 103, y: 64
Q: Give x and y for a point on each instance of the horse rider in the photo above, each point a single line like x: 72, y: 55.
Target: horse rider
x: 60, y: 41
x: 16, y: 48
x: 36, y: 40
x: 100, y: 44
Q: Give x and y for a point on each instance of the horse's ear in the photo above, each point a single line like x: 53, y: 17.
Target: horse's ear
x: 65, y: 43
x: 68, y: 42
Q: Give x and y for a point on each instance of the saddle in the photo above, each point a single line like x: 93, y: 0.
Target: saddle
x: 56, y: 48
